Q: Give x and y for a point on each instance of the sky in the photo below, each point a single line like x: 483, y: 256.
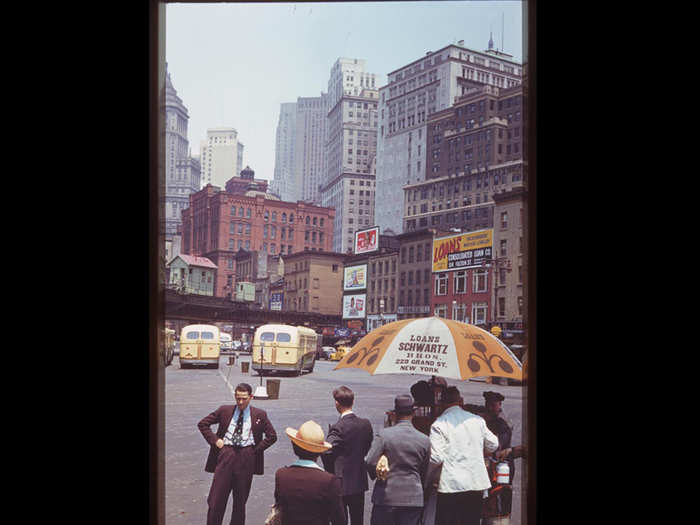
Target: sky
x: 233, y: 64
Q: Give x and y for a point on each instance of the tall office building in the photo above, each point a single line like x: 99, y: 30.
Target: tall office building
x: 350, y: 150
x: 182, y: 173
x: 413, y: 93
x: 309, y: 153
x: 285, y: 144
x: 221, y: 156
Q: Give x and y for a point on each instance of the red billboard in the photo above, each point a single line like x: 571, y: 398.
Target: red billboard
x: 367, y: 241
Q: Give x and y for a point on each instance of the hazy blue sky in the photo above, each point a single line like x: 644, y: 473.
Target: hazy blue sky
x: 234, y: 64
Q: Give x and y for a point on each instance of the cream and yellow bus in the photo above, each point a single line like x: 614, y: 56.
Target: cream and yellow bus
x: 280, y: 347
x: 199, y: 346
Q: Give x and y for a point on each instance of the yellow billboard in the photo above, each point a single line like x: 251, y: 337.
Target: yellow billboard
x: 463, y: 250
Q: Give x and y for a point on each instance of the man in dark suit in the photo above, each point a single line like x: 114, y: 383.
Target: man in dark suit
x: 307, y: 494
x: 398, y: 494
x: 236, y: 453
x: 351, y: 438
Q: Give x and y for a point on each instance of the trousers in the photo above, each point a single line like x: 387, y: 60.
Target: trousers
x: 388, y: 515
x: 459, y: 508
x: 233, y: 475
x: 355, y: 504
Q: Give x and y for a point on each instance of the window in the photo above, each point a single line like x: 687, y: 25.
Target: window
x: 504, y: 246
x: 441, y: 284
x: 460, y: 285
x: 480, y: 281
x: 504, y: 220
x: 440, y: 310
x: 479, y: 311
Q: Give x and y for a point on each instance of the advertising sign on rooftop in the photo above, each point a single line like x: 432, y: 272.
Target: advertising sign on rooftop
x: 367, y: 241
x: 461, y: 251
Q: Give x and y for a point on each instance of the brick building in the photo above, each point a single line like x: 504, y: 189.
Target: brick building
x: 218, y: 224
x: 313, y: 282
x: 474, y: 149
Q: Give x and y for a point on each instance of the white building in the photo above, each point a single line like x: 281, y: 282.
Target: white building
x: 285, y: 143
x: 182, y: 171
x: 412, y: 93
x: 309, y: 152
x: 351, y: 148
x: 221, y: 156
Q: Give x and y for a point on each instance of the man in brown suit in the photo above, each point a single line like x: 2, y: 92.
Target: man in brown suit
x: 236, y: 453
x: 307, y: 494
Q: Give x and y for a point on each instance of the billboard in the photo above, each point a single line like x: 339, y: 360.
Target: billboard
x: 354, y: 306
x: 276, y: 300
x: 367, y: 241
x: 463, y: 250
x: 355, y: 277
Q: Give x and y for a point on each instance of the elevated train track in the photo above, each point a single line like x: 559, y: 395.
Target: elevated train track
x: 202, y: 308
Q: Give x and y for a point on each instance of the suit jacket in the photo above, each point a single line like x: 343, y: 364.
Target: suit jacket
x: 259, y: 424
x: 309, y: 496
x: 408, y: 453
x: 351, y: 438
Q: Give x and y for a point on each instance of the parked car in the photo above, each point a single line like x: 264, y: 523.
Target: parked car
x: 226, y: 343
x: 327, y: 352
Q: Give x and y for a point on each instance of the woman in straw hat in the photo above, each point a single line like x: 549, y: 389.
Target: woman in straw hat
x: 307, y: 494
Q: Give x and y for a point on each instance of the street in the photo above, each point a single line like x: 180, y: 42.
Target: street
x: 191, y: 394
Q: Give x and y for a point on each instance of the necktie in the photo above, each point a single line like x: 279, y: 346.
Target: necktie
x: 238, y: 432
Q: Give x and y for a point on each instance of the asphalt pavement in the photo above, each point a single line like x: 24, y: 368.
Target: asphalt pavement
x: 191, y: 394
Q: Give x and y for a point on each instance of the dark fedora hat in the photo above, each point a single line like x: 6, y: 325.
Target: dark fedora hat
x: 403, y: 404
x: 493, y: 396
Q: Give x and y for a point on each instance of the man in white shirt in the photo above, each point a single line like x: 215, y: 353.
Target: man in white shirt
x: 458, y: 440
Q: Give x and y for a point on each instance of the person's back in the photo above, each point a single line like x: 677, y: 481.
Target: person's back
x: 457, y: 439
x: 408, y: 452
x: 304, y: 495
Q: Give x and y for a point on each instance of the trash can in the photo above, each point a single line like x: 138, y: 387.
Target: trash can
x: 244, y: 366
x: 273, y: 388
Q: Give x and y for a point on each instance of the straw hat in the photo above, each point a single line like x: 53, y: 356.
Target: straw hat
x: 309, y: 437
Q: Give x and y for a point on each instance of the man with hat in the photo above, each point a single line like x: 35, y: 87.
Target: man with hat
x: 500, y: 496
x: 398, y: 497
x: 308, y: 494
x: 236, y: 453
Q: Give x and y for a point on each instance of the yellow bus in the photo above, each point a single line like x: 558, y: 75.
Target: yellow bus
x: 284, y: 348
x: 168, y: 346
x: 199, y: 346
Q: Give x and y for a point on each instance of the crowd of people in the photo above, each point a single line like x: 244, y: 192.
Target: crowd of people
x: 445, y: 477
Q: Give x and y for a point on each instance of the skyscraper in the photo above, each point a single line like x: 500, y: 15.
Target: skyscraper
x: 350, y: 150
x: 309, y: 153
x: 285, y: 144
x: 221, y: 156
x: 182, y: 172
x: 414, y: 92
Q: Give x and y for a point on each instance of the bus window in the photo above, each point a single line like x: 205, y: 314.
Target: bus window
x: 192, y: 335
x: 267, y: 336
x: 283, y: 338
x: 207, y: 335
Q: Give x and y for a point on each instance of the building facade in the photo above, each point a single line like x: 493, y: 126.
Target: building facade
x: 313, y: 282
x: 309, y: 152
x: 282, y: 184
x: 415, y: 274
x: 510, y: 261
x: 192, y: 275
x: 351, y: 165
x: 218, y: 224
x: 182, y: 171
x: 412, y: 94
x: 463, y: 293
x: 221, y: 156
x: 475, y: 150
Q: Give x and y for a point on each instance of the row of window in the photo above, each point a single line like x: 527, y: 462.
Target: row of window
x: 272, y: 216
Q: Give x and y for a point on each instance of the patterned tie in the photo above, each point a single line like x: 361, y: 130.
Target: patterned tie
x: 238, y: 432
